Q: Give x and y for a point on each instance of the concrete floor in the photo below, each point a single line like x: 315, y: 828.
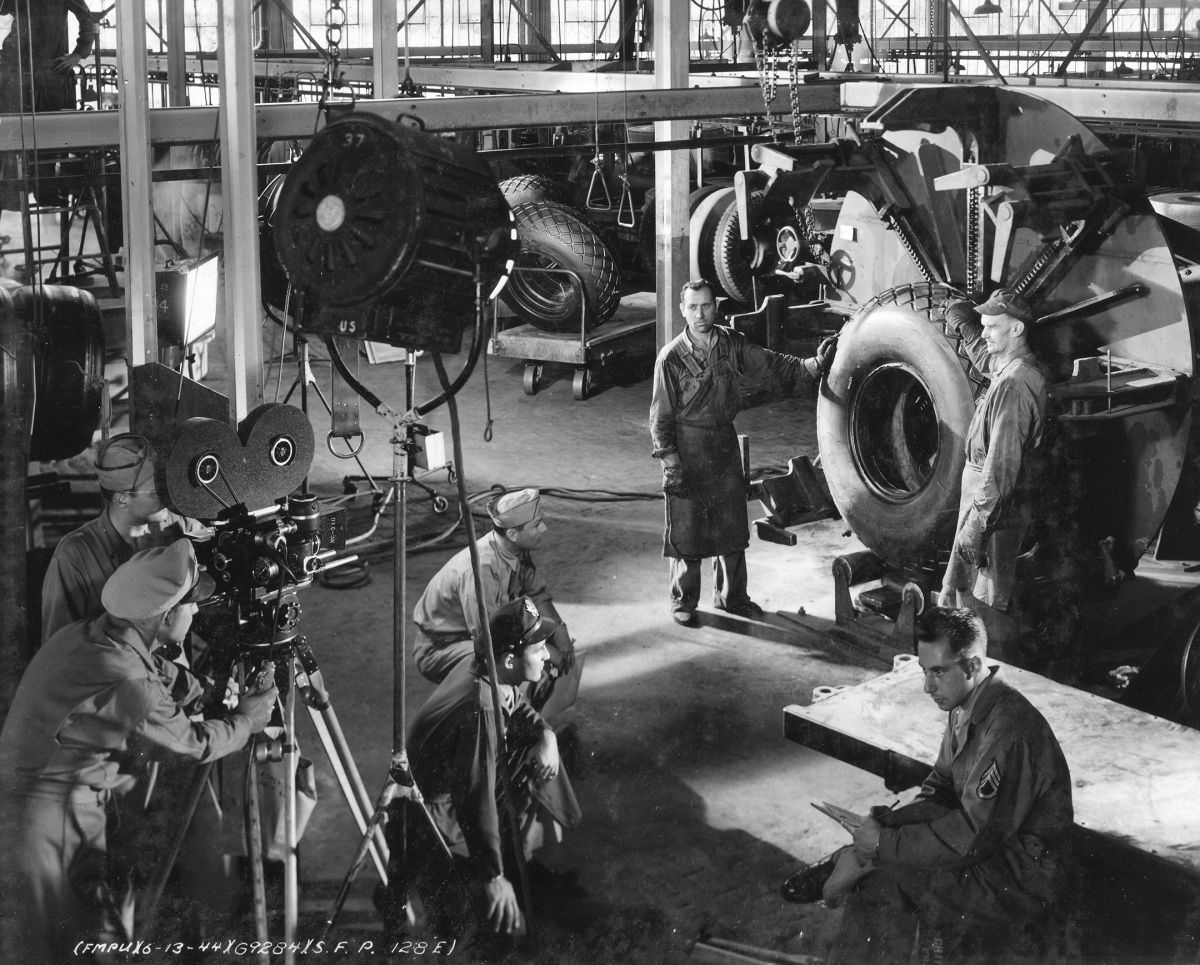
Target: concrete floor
x: 695, y: 806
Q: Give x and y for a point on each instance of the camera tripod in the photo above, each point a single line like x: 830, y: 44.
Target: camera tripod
x: 300, y: 675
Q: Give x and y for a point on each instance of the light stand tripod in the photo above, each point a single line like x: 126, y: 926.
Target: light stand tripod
x: 401, y: 788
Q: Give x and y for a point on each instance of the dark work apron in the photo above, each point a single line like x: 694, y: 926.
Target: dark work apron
x: 711, y: 521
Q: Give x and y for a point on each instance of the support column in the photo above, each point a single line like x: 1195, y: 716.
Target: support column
x: 671, y: 182
x: 176, y: 34
x: 243, y: 310
x: 141, y: 324
x: 385, y: 75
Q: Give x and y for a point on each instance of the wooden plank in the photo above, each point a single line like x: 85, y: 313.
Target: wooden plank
x: 1136, y: 776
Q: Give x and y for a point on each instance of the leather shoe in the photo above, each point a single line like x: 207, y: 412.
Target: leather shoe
x: 807, y: 885
x: 685, y: 618
x: 744, y: 608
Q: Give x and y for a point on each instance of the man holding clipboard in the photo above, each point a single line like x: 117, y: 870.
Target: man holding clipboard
x: 979, y: 855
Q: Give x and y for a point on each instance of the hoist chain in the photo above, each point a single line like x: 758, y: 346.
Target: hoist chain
x: 335, y: 20
x: 974, y: 232
x: 768, y: 77
x: 794, y: 87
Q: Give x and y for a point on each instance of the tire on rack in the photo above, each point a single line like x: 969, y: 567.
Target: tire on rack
x: 892, y: 418
x: 524, y: 188
x: 554, y: 236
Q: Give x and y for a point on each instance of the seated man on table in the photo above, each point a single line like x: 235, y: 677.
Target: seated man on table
x: 453, y: 748
x: 979, y: 852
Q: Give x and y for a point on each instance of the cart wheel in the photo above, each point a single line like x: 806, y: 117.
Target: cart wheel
x: 533, y: 378
x: 440, y: 504
x: 581, y: 385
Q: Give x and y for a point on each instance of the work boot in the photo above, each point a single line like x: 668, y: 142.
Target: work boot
x: 808, y: 884
x: 746, y: 608
x: 685, y: 618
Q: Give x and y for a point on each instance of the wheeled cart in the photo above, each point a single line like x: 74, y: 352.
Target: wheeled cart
x: 628, y: 337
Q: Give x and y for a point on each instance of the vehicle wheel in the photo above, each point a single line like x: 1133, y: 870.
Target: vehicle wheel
x: 702, y: 229
x: 524, y: 188
x: 554, y: 237
x: 533, y: 378
x: 891, y: 420
x: 732, y: 257
x: 647, y: 229
x: 581, y: 385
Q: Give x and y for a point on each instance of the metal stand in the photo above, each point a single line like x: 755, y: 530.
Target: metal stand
x: 401, y: 788
x: 305, y: 380
x: 306, y: 681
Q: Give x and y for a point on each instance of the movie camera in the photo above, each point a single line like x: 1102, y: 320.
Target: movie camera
x: 262, y: 542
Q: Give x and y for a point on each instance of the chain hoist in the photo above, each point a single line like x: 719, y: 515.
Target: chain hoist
x: 768, y: 81
x: 335, y: 20
x: 794, y: 87
x: 974, y: 232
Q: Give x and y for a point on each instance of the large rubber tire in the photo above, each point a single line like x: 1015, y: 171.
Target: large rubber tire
x: 524, y: 188
x: 892, y: 418
x: 553, y: 236
x: 69, y: 368
x: 273, y: 280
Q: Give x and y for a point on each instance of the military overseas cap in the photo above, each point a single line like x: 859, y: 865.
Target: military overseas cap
x: 518, y: 625
x: 1005, y: 301
x: 125, y: 463
x: 513, y: 510
x: 154, y: 580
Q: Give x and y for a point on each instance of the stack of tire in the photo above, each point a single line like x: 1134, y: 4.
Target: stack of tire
x: 566, y: 275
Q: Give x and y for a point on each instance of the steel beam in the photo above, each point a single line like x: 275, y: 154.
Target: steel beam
x: 1175, y: 104
x: 1093, y: 21
x: 299, y: 120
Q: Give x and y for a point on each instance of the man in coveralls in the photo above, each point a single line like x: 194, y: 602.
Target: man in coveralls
x: 979, y: 855
x: 696, y: 398
x: 994, y: 511
x: 92, y: 705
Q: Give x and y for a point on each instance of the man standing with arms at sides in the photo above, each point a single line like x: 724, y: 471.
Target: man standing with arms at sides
x: 696, y: 398
x: 994, y: 512
x: 133, y: 518
x: 979, y: 855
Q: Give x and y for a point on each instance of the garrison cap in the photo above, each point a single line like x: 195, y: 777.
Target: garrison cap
x: 518, y: 625
x: 154, y: 580
x: 515, y: 509
x: 1005, y: 301
x: 125, y: 463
